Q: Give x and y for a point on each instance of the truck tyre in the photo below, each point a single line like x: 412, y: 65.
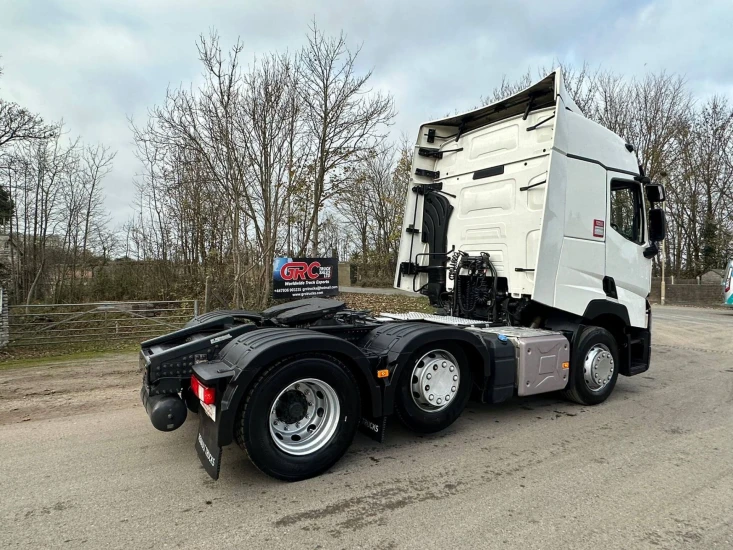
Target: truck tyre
x: 299, y: 417
x: 593, y: 367
x: 434, y: 388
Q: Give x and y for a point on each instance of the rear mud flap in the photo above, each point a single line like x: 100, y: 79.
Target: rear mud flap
x: 207, y: 445
x: 373, y: 427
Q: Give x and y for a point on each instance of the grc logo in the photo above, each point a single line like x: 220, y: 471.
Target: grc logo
x: 299, y: 271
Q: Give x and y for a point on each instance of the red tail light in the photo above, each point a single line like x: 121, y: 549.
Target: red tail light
x: 206, y: 395
x: 727, y: 285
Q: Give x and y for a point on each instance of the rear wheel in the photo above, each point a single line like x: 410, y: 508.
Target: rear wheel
x: 300, y: 417
x: 593, y: 367
x: 434, y: 388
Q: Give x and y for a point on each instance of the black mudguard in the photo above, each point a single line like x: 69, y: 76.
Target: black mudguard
x: 208, y: 447
x: 250, y: 353
x: 398, y: 341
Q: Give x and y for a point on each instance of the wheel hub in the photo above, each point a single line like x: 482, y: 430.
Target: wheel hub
x: 304, y: 416
x: 598, y: 367
x: 435, y: 380
x: 291, y: 407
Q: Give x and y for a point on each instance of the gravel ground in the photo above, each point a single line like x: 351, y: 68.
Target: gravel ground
x: 650, y: 468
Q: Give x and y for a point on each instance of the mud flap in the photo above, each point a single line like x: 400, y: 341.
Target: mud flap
x: 373, y: 427
x: 207, y: 445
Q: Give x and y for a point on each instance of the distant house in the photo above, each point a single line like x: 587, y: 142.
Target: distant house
x: 712, y: 277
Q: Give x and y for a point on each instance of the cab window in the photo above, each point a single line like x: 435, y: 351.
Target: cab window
x: 627, y: 210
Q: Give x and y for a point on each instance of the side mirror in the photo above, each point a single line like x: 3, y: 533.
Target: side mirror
x: 657, y: 225
x: 654, y: 192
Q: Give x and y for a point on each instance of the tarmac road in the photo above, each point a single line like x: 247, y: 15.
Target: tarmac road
x: 650, y: 468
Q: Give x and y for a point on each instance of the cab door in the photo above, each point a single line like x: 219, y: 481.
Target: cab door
x: 628, y: 272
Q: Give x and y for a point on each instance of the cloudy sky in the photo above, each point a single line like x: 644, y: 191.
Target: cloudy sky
x: 95, y: 63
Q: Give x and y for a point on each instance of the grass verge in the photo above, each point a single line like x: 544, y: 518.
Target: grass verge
x: 30, y: 356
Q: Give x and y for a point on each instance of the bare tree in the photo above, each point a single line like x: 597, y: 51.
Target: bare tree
x: 372, y: 203
x: 19, y: 124
x: 266, y: 126
x: 344, y: 118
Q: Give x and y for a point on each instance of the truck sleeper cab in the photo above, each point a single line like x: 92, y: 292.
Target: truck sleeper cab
x: 529, y: 228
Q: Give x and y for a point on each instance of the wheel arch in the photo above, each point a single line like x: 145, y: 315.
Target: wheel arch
x: 613, y: 317
x: 400, y: 341
x: 253, y: 352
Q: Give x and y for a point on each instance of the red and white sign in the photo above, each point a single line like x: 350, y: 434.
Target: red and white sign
x: 599, y: 229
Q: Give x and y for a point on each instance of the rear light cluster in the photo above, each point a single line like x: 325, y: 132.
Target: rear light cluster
x: 727, y: 284
x: 205, y: 394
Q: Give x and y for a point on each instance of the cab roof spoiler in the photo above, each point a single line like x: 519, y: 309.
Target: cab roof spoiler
x: 541, y: 95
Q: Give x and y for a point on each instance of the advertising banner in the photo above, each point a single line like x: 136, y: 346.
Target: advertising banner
x: 304, y: 277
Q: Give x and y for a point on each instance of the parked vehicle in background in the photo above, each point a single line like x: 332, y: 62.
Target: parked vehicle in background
x: 728, y: 285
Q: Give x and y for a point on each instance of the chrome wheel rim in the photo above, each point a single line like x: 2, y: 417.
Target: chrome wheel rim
x: 435, y: 381
x: 304, y: 416
x: 598, y: 367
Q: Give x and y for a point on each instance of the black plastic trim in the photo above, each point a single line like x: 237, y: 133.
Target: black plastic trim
x: 433, y: 174
x: 488, y: 172
x: 500, y: 386
x: 639, y: 341
x: 609, y: 287
x: 528, y: 187
x: 541, y: 122
x: 599, y: 163
x: 596, y: 308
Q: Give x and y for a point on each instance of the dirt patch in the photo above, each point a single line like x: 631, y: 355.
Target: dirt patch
x: 63, y: 388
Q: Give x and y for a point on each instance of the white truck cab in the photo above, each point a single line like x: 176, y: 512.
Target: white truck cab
x: 525, y: 212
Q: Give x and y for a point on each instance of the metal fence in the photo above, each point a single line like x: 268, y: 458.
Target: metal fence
x: 101, y: 322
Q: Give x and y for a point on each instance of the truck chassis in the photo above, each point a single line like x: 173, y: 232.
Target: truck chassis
x: 292, y: 384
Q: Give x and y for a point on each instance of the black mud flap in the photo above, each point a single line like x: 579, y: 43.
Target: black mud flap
x: 373, y: 427
x: 207, y: 445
